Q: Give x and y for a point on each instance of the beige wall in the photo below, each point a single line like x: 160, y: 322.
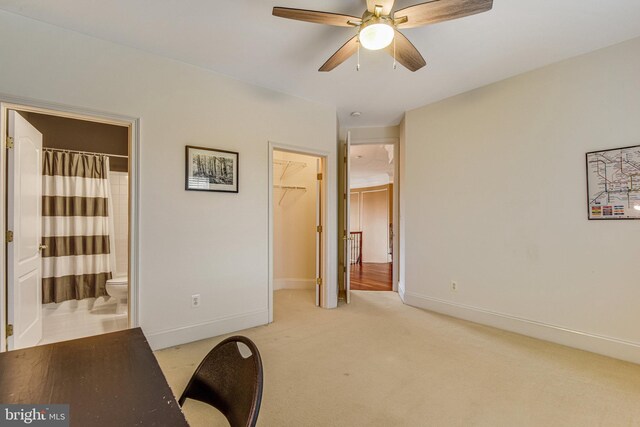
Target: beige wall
x: 354, y: 212
x: 494, y: 196
x: 372, y: 212
x: 212, y: 244
x: 294, y: 221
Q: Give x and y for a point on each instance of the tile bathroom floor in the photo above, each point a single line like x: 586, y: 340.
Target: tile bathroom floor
x: 99, y: 318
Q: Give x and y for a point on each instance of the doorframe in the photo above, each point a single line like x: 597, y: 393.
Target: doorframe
x: 9, y: 102
x: 275, y: 146
x: 395, y: 141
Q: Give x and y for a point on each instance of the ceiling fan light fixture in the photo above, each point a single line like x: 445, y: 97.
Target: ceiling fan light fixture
x: 376, y: 34
x: 380, y: 26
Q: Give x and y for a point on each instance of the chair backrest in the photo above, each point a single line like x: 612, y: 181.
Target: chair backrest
x: 229, y: 382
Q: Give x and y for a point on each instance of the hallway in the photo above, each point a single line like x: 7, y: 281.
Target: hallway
x: 370, y: 276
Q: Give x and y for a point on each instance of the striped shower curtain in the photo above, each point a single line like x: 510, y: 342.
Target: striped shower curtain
x: 77, y: 226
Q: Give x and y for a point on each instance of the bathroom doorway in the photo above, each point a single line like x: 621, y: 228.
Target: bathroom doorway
x: 297, y: 243
x: 67, y: 197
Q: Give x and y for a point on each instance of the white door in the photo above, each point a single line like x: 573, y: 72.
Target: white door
x: 24, y: 220
x: 347, y: 214
x: 319, y: 285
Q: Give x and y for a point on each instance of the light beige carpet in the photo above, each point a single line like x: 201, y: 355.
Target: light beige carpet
x: 378, y: 362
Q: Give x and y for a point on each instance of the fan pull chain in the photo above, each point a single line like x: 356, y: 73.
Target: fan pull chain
x: 358, y: 66
x: 395, y: 64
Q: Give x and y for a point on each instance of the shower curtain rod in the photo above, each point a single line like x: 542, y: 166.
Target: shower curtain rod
x: 84, y: 152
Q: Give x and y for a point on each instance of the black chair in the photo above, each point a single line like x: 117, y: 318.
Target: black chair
x: 229, y: 382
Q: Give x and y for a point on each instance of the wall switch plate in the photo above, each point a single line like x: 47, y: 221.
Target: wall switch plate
x: 195, y: 301
x: 454, y: 285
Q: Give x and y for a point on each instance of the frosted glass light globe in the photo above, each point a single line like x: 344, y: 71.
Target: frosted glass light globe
x: 376, y: 36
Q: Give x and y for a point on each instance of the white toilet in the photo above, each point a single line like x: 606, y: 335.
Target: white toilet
x: 119, y: 289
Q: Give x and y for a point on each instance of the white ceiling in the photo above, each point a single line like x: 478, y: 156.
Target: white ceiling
x: 371, y: 165
x: 241, y: 38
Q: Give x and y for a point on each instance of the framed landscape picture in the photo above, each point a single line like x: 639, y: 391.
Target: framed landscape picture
x: 613, y: 183
x: 208, y: 169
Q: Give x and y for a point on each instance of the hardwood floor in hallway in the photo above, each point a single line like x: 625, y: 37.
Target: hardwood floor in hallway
x: 371, y: 277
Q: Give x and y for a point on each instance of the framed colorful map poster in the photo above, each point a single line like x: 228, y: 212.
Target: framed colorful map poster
x: 613, y: 183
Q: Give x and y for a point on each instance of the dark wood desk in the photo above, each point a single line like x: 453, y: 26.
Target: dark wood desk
x: 108, y: 380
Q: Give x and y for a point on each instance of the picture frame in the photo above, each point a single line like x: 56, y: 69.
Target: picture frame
x: 210, y: 169
x: 613, y: 183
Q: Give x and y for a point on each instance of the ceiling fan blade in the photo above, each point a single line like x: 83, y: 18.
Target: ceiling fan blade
x: 341, y: 55
x: 316, y: 16
x: 439, y: 10
x: 387, y: 5
x: 406, y: 53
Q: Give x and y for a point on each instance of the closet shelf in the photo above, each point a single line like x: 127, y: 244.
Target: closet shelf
x: 289, y: 163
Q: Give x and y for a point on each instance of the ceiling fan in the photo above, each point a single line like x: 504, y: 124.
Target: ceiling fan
x: 378, y: 27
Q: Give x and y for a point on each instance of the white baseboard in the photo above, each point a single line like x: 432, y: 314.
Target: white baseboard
x: 293, y: 284
x: 401, y: 292
x: 608, y: 346
x: 213, y: 328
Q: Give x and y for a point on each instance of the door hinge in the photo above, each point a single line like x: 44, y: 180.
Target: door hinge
x: 9, y: 330
x: 9, y: 236
x: 319, y: 281
x: 319, y: 229
x: 9, y: 142
x: 319, y: 177
x: 344, y: 269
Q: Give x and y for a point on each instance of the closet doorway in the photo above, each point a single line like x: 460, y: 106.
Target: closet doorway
x: 296, y: 226
x: 67, y: 199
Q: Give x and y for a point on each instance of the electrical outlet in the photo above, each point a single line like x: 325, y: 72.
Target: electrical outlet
x: 195, y: 301
x: 454, y: 285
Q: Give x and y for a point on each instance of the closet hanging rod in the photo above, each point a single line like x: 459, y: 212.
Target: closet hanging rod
x: 62, y: 150
x: 289, y: 162
x: 286, y: 189
x: 289, y: 187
